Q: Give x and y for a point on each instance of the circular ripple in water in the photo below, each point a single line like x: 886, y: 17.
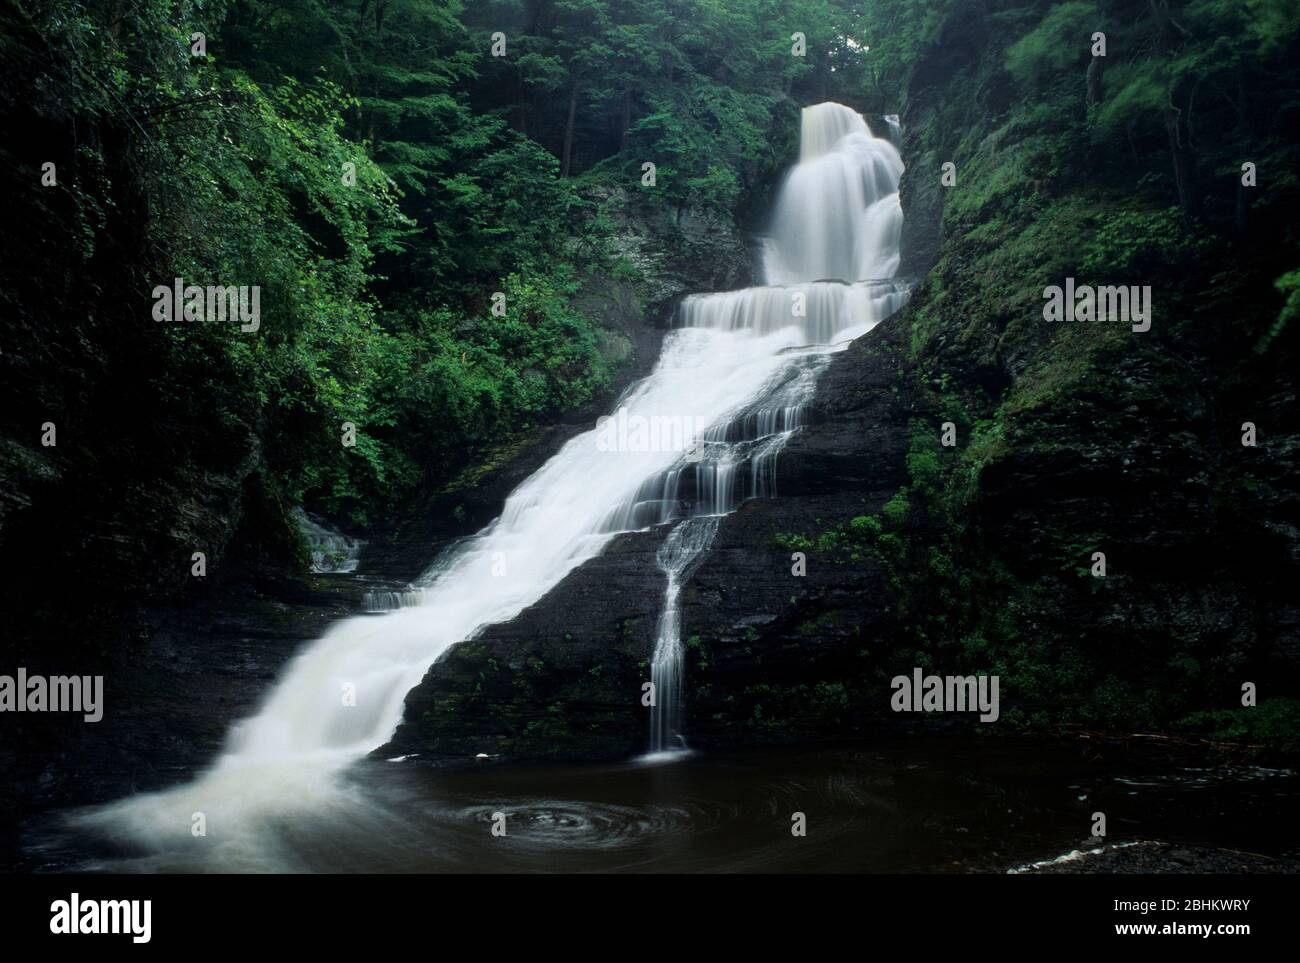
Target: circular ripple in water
x: 547, y: 822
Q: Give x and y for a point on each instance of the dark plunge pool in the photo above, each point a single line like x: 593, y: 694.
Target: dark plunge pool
x: 934, y: 804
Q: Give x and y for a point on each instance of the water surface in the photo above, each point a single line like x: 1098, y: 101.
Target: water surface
x: 929, y: 804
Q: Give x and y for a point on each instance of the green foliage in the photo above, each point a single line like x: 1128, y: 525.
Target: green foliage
x: 895, y: 32
x: 1288, y: 285
x: 1134, y: 92
x: 1274, y: 724
x: 707, y: 142
x: 485, y: 377
x: 378, y: 175
x: 793, y: 542
x: 1123, y: 169
x: 334, y: 157
x: 1061, y: 39
x: 895, y: 510
x: 1129, y: 243
x: 923, y: 463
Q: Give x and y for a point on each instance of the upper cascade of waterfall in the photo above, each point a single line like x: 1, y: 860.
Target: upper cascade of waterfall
x: 825, y: 311
x: 837, y: 216
x: 823, y: 126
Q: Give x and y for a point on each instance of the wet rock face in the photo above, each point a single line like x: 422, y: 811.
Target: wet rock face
x: 775, y: 656
x: 674, y: 250
x: 930, y: 138
x: 769, y: 656
x: 562, y: 680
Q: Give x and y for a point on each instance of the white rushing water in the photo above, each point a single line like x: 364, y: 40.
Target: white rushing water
x: 743, y: 364
x: 832, y: 246
x: 838, y: 214
x: 677, y: 556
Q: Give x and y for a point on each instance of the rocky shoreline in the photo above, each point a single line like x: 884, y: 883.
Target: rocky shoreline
x: 1151, y: 857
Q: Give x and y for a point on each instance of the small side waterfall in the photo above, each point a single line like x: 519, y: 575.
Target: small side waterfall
x: 377, y: 601
x: 331, y: 550
x: 895, y: 131
x: 742, y: 364
x: 677, y: 557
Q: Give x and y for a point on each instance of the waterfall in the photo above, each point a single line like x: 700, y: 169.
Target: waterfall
x: 331, y: 550
x: 744, y: 364
x: 837, y: 215
x: 377, y: 601
x: 895, y: 131
x: 677, y: 557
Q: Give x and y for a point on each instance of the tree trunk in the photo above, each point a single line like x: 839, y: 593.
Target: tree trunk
x: 566, y: 162
x: 1184, y: 166
x: 1241, y: 209
x: 1095, y: 69
x: 627, y: 118
x: 534, y: 18
x: 521, y: 104
x: 1175, y: 120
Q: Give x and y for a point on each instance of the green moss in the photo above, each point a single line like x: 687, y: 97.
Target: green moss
x: 895, y: 510
x: 1271, y: 726
x: 792, y: 541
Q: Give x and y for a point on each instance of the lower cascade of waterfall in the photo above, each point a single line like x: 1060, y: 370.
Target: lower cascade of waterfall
x: 745, y: 364
x: 677, y: 557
